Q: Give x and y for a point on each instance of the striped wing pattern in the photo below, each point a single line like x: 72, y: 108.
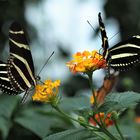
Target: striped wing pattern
x: 17, y: 75
x: 103, y: 35
x: 20, y: 63
x: 123, y: 55
x: 5, y: 85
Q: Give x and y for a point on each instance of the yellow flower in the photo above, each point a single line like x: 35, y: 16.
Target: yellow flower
x: 47, y: 92
x: 92, y: 98
x: 86, y: 62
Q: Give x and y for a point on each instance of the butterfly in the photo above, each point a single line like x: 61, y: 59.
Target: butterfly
x: 17, y: 75
x: 106, y: 87
x: 123, y: 55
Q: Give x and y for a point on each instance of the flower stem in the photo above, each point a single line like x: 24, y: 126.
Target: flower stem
x: 76, y: 120
x: 116, y: 125
x: 94, y: 96
x: 92, y: 89
x: 86, y: 125
x: 103, y: 129
x: 94, y: 129
x: 101, y: 124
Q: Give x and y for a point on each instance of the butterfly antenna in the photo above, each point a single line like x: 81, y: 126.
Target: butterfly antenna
x: 46, y: 63
x: 114, y: 35
x: 93, y: 28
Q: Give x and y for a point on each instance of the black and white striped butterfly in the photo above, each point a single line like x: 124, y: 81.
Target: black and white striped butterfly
x: 123, y: 55
x: 17, y: 75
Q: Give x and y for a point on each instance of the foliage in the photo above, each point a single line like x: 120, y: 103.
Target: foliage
x: 42, y: 121
x: 35, y: 119
x: 120, y: 101
x: 72, y: 134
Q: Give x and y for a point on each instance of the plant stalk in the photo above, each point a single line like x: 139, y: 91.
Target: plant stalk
x: 117, y: 128
x: 71, y: 118
x: 102, y: 128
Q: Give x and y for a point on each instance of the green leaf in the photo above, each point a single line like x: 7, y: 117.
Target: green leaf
x: 119, y: 101
x: 8, y: 106
x: 40, y: 120
x: 75, y: 103
x: 72, y: 134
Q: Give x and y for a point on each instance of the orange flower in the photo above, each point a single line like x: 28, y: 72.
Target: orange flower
x: 137, y: 119
x: 47, y: 92
x: 106, y: 119
x: 86, y: 62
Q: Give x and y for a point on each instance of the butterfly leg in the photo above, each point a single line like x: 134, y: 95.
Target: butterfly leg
x: 108, y: 71
x: 25, y: 96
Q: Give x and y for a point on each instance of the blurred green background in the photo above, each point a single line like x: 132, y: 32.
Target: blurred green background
x: 61, y: 26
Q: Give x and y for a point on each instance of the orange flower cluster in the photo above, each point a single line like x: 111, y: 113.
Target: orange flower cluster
x: 86, y: 62
x: 137, y: 119
x: 106, y: 119
x: 47, y: 92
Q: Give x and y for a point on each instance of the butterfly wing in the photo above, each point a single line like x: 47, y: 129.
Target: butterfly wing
x: 122, y: 56
x: 125, y: 55
x: 104, y: 36
x: 20, y: 62
x: 106, y: 88
x: 5, y: 84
